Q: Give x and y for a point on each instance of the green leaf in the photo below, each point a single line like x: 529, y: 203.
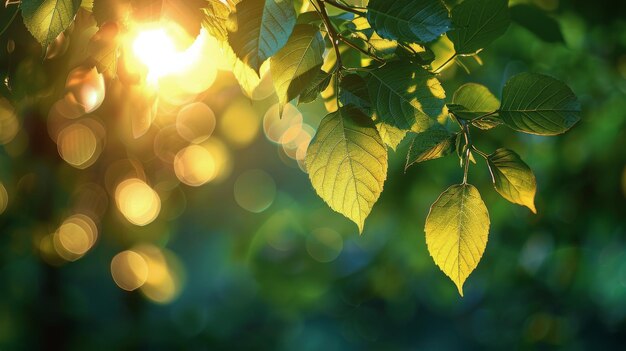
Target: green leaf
x: 473, y: 100
x: 537, y: 22
x: 404, y: 97
x: 430, y: 144
x: 104, y: 49
x: 512, y: 178
x: 262, y: 28
x: 420, y: 21
x: 347, y: 163
x: 538, y: 104
x: 215, y: 18
x: 457, y: 228
x: 477, y: 23
x: 353, y: 91
x: 297, y: 63
x: 46, y: 19
x: 315, y: 87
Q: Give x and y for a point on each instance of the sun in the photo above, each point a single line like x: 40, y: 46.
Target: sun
x: 156, y: 50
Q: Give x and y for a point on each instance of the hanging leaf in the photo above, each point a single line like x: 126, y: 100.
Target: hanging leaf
x: 353, y: 91
x: 46, y: 19
x: 473, y: 100
x: 512, y: 178
x: 419, y: 21
x: 215, y: 18
x: 538, y: 104
x: 315, y: 87
x: 262, y: 28
x: 297, y: 63
x: 347, y: 163
x: 430, y: 144
x: 537, y: 22
x: 457, y: 228
x: 404, y: 97
x: 477, y: 23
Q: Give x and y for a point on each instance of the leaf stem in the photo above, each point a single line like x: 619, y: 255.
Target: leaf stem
x: 440, y: 68
x: 10, y: 21
x: 344, y: 7
x: 468, y: 150
x: 484, y: 155
x: 332, y: 34
x: 356, y: 47
x: 483, y: 116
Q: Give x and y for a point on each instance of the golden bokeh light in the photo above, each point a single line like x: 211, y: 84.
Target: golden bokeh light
x: 195, y: 122
x: 78, y: 145
x: 239, y: 124
x: 324, y: 244
x: 85, y: 89
x: 137, y: 201
x: 165, y: 275
x: 76, y: 235
x: 4, y: 198
x: 9, y: 125
x: 129, y: 270
x: 278, y: 128
x: 255, y: 190
x: 221, y: 157
x: 194, y: 165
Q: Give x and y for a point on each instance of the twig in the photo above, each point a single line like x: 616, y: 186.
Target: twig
x: 332, y: 34
x: 356, y: 47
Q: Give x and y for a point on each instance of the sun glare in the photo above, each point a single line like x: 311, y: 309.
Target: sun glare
x: 165, y: 49
x: 156, y: 49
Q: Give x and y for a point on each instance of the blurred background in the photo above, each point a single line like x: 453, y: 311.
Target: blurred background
x: 205, y: 233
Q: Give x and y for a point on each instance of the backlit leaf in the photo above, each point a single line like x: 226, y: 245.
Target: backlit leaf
x: 347, y: 163
x: 297, y: 63
x: 215, y: 18
x: 538, y: 104
x: 46, y: 19
x: 430, y: 144
x: 420, y: 21
x: 477, y: 23
x: 476, y: 100
x: 457, y: 228
x: 404, y: 97
x: 512, y: 178
x: 262, y: 28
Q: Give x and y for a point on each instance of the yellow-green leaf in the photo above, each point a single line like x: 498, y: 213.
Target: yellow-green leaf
x: 512, y: 178
x: 347, y: 163
x: 457, y: 227
x: 46, y: 19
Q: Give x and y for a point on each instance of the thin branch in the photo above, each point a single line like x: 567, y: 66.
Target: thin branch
x: 468, y: 150
x: 345, y: 8
x: 332, y: 34
x: 356, y: 47
x: 484, y: 155
x: 10, y: 21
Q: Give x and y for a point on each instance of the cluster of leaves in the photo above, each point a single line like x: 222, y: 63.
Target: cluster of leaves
x: 375, y: 65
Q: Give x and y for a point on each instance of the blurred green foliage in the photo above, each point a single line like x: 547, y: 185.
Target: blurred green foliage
x: 282, y: 280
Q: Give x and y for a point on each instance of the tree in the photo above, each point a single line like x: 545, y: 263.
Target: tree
x: 378, y: 65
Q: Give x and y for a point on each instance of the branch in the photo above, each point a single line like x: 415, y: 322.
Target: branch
x: 332, y: 34
x: 356, y: 47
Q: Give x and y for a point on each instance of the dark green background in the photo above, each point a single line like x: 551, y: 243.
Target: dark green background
x: 552, y: 280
